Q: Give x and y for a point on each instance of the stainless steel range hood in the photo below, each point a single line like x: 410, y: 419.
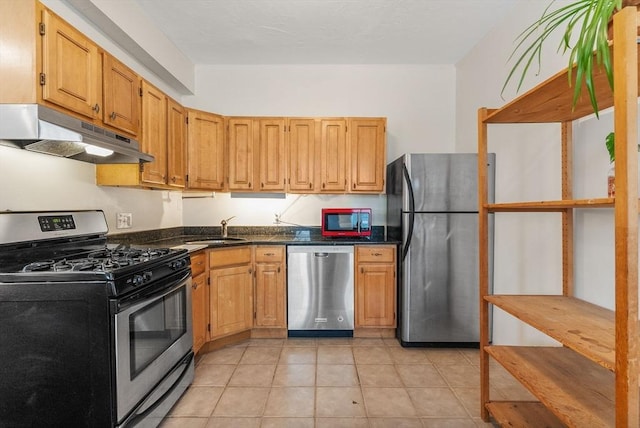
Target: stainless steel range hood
x: 41, y: 129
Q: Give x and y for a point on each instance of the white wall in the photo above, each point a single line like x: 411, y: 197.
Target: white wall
x: 418, y: 101
x: 528, y: 246
x: 34, y: 182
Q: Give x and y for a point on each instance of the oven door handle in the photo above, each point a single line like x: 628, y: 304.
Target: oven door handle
x: 155, y: 296
x: 135, y: 418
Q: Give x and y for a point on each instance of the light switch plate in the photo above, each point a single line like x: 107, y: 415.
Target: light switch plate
x: 124, y: 220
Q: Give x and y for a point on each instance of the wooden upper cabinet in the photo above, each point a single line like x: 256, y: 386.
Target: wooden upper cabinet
x: 206, y: 150
x: 71, y: 74
x: 121, y: 91
x: 154, y: 133
x: 367, y: 144
x: 333, y: 156
x: 243, y: 134
x: 302, y: 155
x: 272, y: 164
x: 176, y: 144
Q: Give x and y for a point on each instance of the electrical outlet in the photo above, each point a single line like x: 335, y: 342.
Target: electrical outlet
x: 124, y: 220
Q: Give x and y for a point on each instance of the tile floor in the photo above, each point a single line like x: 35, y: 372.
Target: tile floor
x: 342, y: 382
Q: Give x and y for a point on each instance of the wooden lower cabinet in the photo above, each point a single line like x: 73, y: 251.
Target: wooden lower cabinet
x: 270, y: 287
x: 199, y: 299
x: 375, y: 286
x: 231, y: 291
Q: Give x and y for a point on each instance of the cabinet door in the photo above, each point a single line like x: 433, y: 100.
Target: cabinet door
x: 333, y: 156
x: 242, y: 135
x: 176, y: 144
x: 272, y: 155
x: 367, y: 148
x: 71, y: 68
x: 270, y: 295
x: 206, y: 150
x: 154, y: 133
x: 121, y: 91
x: 199, y: 305
x: 231, y: 300
x: 302, y: 156
x: 375, y: 295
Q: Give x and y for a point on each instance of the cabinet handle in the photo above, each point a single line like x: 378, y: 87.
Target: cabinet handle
x: 96, y: 108
x: 113, y: 115
x: 269, y: 254
x: 377, y: 254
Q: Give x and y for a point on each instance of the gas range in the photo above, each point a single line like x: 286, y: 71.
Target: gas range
x: 72, y: 246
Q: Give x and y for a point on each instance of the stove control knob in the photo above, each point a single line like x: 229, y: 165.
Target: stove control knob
x: 137, y: 280
x: 178, y: 264
x: 147, y: 276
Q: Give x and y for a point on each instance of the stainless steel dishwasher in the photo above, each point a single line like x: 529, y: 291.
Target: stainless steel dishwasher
x: 320, y: 290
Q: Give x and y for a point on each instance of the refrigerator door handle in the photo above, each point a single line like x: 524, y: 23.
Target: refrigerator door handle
x: 412, y: 213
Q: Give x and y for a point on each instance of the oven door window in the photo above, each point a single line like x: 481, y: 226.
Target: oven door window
x: 155, y: 327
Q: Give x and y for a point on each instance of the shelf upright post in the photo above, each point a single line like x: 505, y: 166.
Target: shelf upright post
x: 567, y: 213
x: 483, y: 245
x: 625, y: 59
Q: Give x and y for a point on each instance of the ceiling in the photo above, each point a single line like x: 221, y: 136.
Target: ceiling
x: 325, y: 31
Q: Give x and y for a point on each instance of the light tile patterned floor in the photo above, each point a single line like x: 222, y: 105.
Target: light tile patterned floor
x: 341, y: 382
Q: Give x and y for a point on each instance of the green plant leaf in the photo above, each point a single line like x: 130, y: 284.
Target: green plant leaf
x: 610, y: 142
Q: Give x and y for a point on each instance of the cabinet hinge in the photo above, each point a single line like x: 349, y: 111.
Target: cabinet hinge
x: 140, y: 91
x: 186, y: 178
x: 209, y: 327
x: 141, y: 167
x: 255, y: 315
x: 43, y: 79
x: 41, y: 28
x: 186, y: 120
x: 209, y: 280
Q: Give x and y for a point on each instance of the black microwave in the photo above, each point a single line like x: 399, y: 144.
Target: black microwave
x: 355, y: 222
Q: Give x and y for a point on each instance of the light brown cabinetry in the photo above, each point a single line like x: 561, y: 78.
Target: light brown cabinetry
x: 592, y: 379
x: 176, y: 144
x: 257, y: 160
x: 367, y: 147
x: 207, y: 154
x: 231, y: 291
x: 154, y: 134
x: 121, y: 95
x: 271, y: 153
x: 270, y: 286
x: 199, y: 299
x: 71, y: 68
x: 301, y: 177
x: 375, y: 286
x: 333, y: 156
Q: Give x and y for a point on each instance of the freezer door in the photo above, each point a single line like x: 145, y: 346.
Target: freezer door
x: 439, y: 290
x: 446, y: 182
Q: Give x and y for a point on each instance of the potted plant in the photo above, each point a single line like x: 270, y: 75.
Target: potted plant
x: 585, y: 24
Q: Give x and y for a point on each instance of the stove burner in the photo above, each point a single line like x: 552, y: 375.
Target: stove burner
x: 38, y: 266
x: 105, y: 259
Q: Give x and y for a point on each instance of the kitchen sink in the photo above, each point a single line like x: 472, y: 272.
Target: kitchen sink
x: 216, y: 241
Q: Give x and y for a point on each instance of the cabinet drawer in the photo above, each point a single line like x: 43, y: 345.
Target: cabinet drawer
x: 198, y: 263
x: 229, y: 257
x: 270, y: 253
x: 375, y: 253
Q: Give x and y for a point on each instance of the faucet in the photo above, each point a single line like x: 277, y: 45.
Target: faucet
x: 224, y: 223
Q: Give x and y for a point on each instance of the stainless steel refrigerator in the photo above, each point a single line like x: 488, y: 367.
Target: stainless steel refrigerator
x: 432, y: 207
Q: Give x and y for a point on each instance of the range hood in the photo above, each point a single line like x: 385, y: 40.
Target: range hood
x: 41, y: 129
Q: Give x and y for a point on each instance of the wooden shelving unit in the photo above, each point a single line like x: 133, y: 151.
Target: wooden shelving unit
x: 592, y: 379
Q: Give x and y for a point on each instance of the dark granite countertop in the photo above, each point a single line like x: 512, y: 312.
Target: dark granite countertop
x: 187, y: 237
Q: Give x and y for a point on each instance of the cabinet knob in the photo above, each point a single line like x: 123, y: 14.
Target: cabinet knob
x: 323, y: 185
x: 96, y: 108
x: 261, y: 184
x: 113, y: 115
x: 194, y: 286
x: 377, y: 254
x: 173, y: 178
x: 249, y: 184
x: 354, y: 185
x: 269, y: 254
x: 310, y: 185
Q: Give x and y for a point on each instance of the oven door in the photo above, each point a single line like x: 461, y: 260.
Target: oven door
x: 153, y: 333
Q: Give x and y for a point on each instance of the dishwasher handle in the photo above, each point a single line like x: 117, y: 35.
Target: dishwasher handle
x: 321, y: 254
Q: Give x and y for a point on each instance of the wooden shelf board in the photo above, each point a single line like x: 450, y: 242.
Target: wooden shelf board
x: 579, y: 392
x: 552, y: 99
x: 551, y: 206
x: 523, y: 414
x: 581, y: 326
